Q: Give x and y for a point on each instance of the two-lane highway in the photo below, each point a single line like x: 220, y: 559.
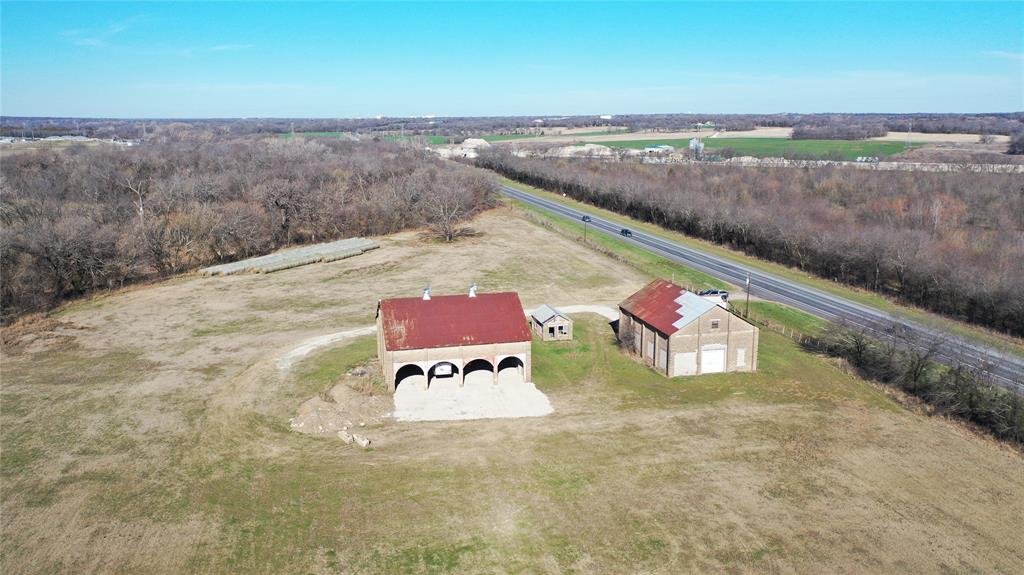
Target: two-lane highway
x: 1006, y: 369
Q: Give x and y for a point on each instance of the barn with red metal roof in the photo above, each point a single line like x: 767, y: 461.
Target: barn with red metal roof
x: 472, y: 337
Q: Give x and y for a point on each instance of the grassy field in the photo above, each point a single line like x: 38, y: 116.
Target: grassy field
x: 433, y: 140
x: 1000, y: 341
x: 147, y: 432
x: 780, y: 147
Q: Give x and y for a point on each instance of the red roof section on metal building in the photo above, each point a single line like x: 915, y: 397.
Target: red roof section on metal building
x: 452, y: 320
x: 656, y: 305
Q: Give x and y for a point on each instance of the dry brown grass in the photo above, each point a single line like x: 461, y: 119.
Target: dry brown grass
x: 154, y: 439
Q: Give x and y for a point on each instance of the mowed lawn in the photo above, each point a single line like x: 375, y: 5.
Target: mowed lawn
x: 147, y: 432
x: 781, y: 147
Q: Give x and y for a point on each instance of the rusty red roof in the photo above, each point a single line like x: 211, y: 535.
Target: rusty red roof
x: 665, y: 306
x: 452, y: 320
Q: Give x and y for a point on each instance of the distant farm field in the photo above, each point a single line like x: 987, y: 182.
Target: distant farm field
x: 781, y: 147
x: 504, y: 137
x: 430, y: 139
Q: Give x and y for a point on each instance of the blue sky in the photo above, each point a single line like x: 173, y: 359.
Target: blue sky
x: 196, y: 60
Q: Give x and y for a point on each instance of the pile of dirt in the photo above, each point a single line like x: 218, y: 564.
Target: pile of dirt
x: 351, y: 404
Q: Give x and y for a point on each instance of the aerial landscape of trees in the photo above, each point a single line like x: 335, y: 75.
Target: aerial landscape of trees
x: 814, y: 126
x: 952, y: 243
x: 87, y: 218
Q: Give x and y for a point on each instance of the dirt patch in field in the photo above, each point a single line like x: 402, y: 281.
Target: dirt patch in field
x: 939, y: 138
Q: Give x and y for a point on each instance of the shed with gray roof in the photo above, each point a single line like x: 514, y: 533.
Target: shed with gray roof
x: 551, y: 324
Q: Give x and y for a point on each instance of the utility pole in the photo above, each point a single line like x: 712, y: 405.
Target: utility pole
x: 746, y: 312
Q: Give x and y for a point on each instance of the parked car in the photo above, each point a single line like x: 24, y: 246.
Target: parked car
x: 626, y: 232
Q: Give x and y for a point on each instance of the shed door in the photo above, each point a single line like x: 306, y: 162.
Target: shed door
x: 712, y: 360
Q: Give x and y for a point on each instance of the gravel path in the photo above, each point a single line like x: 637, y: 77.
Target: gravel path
x: 314, y: 343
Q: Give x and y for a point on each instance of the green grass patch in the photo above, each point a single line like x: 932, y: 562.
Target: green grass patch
x: 1002, y: 342
x: 779, y: 315
x: 781, y: 147
x: 592, y: 361
x: 324, y: 369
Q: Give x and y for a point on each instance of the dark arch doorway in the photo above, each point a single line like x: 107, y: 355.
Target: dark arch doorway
x: 407, y: 371
x: 442, y: 369
x: 510, y: 369
x: 478, y: 371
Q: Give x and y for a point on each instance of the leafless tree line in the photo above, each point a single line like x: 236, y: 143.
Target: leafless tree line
x: 961, y: 390
x: 838, y: 131
x: 948, y: 242
x: 90, y: 218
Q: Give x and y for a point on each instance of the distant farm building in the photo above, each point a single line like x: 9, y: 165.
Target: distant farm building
x: 659, y: 149
x: 551, y: 324
x: 678, y: 332
x: 474, y: 338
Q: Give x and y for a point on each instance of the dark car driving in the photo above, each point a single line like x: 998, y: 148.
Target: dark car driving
x: 626, y: 232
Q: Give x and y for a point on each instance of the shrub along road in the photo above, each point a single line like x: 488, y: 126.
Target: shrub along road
x: 1005, y: 369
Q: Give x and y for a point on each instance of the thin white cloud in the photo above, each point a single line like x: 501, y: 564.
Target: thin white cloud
x: 1017, y: 56
x: 99, y: 38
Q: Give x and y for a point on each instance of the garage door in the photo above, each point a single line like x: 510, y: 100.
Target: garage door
x: 685, y: 364
x: 712, y: 360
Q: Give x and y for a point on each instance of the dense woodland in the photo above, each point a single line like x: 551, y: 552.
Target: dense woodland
x: 89, y: 218
x: 949, y: 242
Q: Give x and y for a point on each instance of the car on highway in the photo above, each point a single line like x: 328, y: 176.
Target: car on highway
x: 626, y: 233
x: 586, y: 218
